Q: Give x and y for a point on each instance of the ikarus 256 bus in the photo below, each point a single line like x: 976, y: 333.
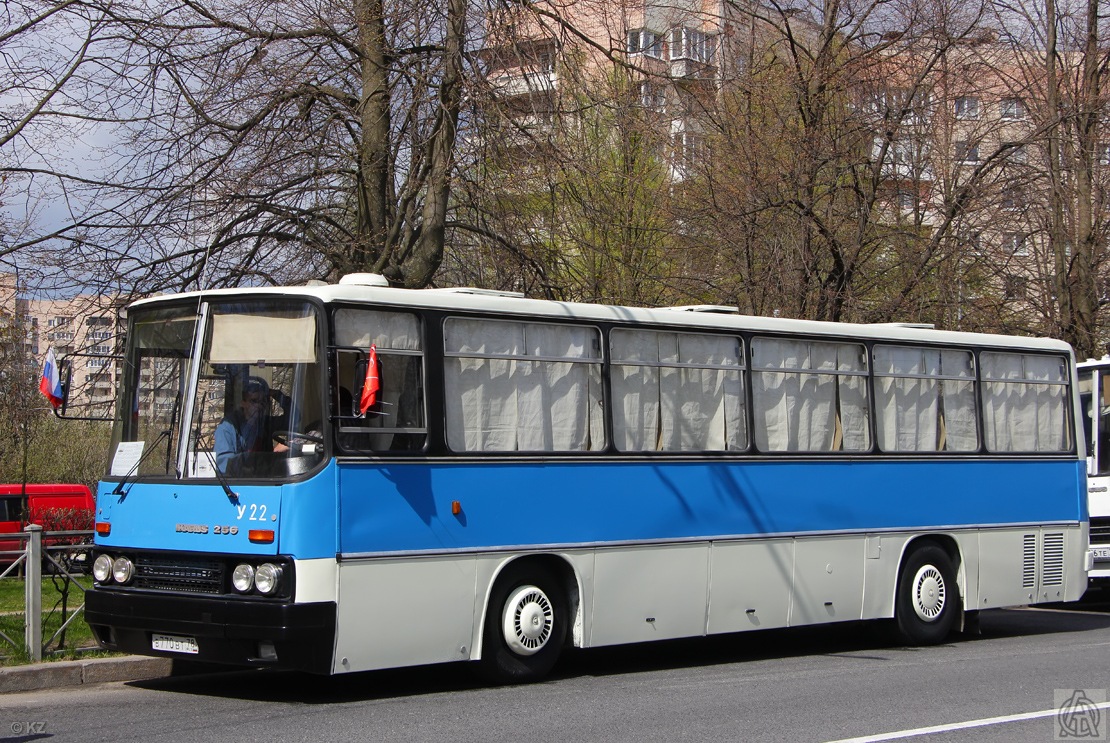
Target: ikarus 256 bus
x: 349, y: 477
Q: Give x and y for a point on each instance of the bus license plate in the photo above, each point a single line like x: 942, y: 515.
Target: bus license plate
x: 1101, y: 553
x: 175, y: 644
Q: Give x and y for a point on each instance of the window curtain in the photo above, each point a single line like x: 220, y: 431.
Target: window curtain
x: 907, y: 407
x: 1024, y: 402
x: 794, y: 409
x: 670, y: 393
x: 515, y: 393
x: 958, y: 401
x: 802, y: 390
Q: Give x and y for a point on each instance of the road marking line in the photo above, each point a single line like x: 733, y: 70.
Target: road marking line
x: 956, y: 726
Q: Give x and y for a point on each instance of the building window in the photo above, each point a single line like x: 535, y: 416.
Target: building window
x: 690, y: 150
x: 1014, y: 287
x: 1016, y: 154
x: 967, y: 107
x: 971, y: 242
x: 58, y: 322
x: 906, y: 201
x: 1016, y: 244
x: 967, y: 152
x: 98, y: 321
x: 688, y: 43
x: 642, y: 41
x: 1011, y: 109
x: 901, y: 153
x: 1103, y: 153
x: 653, y: 96
x: 1012, y: 199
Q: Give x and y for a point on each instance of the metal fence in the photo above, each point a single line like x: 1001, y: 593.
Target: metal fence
x: 59, y: 553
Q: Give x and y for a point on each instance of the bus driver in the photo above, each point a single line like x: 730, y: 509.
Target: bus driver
x: 247, y: 430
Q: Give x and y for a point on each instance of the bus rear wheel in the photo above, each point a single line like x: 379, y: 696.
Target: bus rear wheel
x: 525, y: 626
x: 928, y: 602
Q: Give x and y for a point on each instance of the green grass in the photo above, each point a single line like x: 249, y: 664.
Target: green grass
x: 78, y: 636
x: 12, y: 593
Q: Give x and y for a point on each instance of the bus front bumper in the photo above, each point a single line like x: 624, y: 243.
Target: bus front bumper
x: 217, y: 630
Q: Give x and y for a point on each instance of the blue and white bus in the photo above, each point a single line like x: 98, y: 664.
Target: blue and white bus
x: 457, y: 474
x: 1094, y: 394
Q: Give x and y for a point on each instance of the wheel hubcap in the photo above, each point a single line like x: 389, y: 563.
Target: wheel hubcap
x: 929, y: 593
x: 528, y: 620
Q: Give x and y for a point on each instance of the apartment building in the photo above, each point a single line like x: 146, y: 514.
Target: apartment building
x: 968, y: 152
x: 85, y: 332
x: 676, y: 55
x: 958, y: 128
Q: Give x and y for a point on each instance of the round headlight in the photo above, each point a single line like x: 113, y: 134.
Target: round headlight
x: 267, y: 579
x: 122, y: 570
x: 242, y: 578
x: 102, y: 568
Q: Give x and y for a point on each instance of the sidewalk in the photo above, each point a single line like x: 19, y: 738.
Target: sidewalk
x: 77, y: 672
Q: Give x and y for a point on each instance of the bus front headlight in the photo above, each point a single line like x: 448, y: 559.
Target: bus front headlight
x: 242, y: 578
x: 102, y: 568
x: 267, y: 579
x: 122, y: 570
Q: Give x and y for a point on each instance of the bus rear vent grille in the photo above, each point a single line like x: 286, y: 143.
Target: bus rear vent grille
x: 177, y: 574
x: 1100, y: 530
x: 1029, y: 561
x: 1053, y: 574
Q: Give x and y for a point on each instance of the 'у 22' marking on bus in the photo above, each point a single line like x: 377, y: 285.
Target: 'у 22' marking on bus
x: 464, y: 475
x: 257, y: 512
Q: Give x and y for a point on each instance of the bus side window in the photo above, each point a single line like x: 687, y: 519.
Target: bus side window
x: 395, y: 422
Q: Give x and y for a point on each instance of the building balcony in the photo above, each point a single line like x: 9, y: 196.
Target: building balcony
x: 514, y: 84
x: 686, y: 68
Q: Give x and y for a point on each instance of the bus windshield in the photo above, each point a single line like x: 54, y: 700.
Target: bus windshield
x: 248, y: 394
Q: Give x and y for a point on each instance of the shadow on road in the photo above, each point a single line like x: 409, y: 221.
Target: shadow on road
x: 864, y: 640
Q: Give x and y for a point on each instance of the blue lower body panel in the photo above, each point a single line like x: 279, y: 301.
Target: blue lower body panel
x: 402, y: 507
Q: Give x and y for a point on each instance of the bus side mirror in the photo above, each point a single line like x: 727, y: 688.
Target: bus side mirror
x: 89, y: 410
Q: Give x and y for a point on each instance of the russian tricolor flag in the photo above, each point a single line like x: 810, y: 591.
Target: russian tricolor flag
x: 51, y: 383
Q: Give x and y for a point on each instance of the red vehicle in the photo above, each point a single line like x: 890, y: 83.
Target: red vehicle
x: 55, y: 507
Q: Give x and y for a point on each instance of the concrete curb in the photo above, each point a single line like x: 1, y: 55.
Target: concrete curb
x: 78, y: 672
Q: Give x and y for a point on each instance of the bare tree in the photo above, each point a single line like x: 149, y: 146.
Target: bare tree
x: 1080, y: 295
x: 824, y: 179
x: 257, y: 142
x: 50, y: 56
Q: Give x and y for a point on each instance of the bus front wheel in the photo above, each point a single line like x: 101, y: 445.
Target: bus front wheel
x: 525, y: 626
x: 928, y: 601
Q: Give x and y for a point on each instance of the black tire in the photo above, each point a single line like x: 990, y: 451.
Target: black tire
x: 526, y: 625
x: 928, y: 601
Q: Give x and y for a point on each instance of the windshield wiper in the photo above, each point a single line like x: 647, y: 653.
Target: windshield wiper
x: 231, y: 494
x: 118, y: 490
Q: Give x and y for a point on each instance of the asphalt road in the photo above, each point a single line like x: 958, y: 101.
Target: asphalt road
x: 814, y: 684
